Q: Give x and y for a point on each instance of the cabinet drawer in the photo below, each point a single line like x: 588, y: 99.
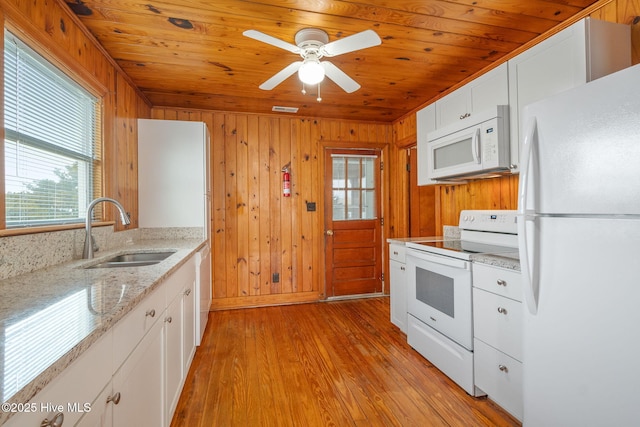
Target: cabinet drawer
x: 500, y: 376
x: 504, y: 282
x: 498, y: 322
x: 128, y: 332
x: 185, y: 274
x: 397, y: 252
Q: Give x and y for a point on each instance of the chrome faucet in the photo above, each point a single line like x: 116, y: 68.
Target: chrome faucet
x: 88, y: 239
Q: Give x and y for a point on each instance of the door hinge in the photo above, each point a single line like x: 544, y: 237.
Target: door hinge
x: 381, y: 221
x: 381, y: 165
x: 408, y: 167
x: 382, y: 277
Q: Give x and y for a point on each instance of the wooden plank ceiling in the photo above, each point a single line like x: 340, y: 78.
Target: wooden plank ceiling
x: 192, y: 54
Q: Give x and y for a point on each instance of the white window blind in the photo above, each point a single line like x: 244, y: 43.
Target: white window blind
x: 52, y: 140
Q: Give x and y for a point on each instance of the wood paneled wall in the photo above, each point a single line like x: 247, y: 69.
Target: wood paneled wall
x: 255, y: 231
x: 53, y: 30
x: 497, y: 193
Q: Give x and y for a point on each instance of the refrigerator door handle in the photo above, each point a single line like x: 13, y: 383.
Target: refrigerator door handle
x: 527, y: 241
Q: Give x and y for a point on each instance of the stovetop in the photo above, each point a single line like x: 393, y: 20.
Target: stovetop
x: 481, y: 232
x: 460, y: 249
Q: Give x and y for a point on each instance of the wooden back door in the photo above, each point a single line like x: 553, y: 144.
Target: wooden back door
x: 353, y: 225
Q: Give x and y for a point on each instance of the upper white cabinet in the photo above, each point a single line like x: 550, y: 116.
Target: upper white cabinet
x: 481, y: 94
x: 460, y: 106
x: 585, y: 51
x: 425, y: 123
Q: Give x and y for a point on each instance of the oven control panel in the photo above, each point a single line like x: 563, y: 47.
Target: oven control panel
x: 498, y: 221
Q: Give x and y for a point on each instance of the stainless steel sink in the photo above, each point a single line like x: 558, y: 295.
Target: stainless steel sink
x: 133, y: 259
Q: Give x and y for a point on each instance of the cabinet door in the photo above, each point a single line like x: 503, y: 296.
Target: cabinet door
x: 425, y: 124
x: 101, y: 414
x: 173, y: 355
x: 78, y: 384
x: 398, y: 294
x: 556, y: 64
x: 500, y: 376
x: 489, y: 90
x: 480, y: 94
x: 454, y: 107
x: 139, y: 381
x: 585, y: 51
x: 189, y: 326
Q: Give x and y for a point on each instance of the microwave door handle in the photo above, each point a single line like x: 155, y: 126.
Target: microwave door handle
x: 476, y: 146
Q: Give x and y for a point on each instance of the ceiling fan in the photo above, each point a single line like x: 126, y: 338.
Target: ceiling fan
x: 312, y: 44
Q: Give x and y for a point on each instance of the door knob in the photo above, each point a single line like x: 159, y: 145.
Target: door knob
x: 329, y: 232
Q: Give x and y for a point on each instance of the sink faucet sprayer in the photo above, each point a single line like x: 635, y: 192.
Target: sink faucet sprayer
x: 88, y: 239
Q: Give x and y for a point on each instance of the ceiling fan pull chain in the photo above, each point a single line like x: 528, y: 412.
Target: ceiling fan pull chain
x: 304, y: 91
x: 319, y: 98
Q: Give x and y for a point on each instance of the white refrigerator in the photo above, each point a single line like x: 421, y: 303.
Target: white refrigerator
x: 174, y: 190
x: 579, y: 231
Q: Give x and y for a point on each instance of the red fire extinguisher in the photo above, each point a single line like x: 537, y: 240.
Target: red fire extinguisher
x: 286, y: 183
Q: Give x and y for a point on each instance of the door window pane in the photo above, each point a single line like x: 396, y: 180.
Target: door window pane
x: 354, y: 187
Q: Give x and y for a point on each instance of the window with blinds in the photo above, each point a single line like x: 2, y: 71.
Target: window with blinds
x: 52, y: 140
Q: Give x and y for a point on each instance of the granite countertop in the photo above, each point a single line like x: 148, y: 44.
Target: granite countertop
x: 403, y: 240
x: 508, y: 260
x: 50, y: 316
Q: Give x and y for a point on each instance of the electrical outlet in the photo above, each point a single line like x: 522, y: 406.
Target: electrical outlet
x: 275, y: 278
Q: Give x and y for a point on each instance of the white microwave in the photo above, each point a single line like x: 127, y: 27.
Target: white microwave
x: 475, y: 150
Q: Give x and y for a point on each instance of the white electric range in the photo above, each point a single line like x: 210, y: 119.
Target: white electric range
x: 440, y: 321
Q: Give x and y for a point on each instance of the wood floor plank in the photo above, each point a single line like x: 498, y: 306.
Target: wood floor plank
x: 339, y: 363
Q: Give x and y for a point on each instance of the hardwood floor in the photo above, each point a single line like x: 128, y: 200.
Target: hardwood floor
x: 338, y: 363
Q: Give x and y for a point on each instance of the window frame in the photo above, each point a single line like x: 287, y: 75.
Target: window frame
x: 61, y: 59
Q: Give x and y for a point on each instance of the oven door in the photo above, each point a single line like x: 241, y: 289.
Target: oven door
x: 439, y: 294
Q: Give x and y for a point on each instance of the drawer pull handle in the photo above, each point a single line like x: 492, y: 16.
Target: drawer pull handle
x: 502, y: 310
x: 57, y: 421
x: 402, y: 268
x: 503, y: 368
x: 115, y: 398
x: 465, y: 115
x: 151, y: 313
x: 187, y: 292
x: 501, y: 282
x: 168, y: 319
x: 395, y: 252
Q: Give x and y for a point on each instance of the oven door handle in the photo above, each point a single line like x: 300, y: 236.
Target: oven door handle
x: 449, y: 262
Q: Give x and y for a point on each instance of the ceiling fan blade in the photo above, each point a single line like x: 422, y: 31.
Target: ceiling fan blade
x: 265, y: 38
x: 358, y: 41
x: 281, y: 76
x: 340, y: 77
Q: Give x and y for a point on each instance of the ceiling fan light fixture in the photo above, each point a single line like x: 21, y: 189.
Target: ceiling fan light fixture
x: 311, y: 72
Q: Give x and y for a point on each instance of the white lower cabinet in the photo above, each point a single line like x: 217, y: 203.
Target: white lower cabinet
x: 101, y: 413
x: 66, y: 397
x: 398, y: 286
x: 173, y: 354
x: 140, y: 383
x: 500, y: 376
x: 134, y: 374
x: 179, y: 333
x: 497, y: 330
